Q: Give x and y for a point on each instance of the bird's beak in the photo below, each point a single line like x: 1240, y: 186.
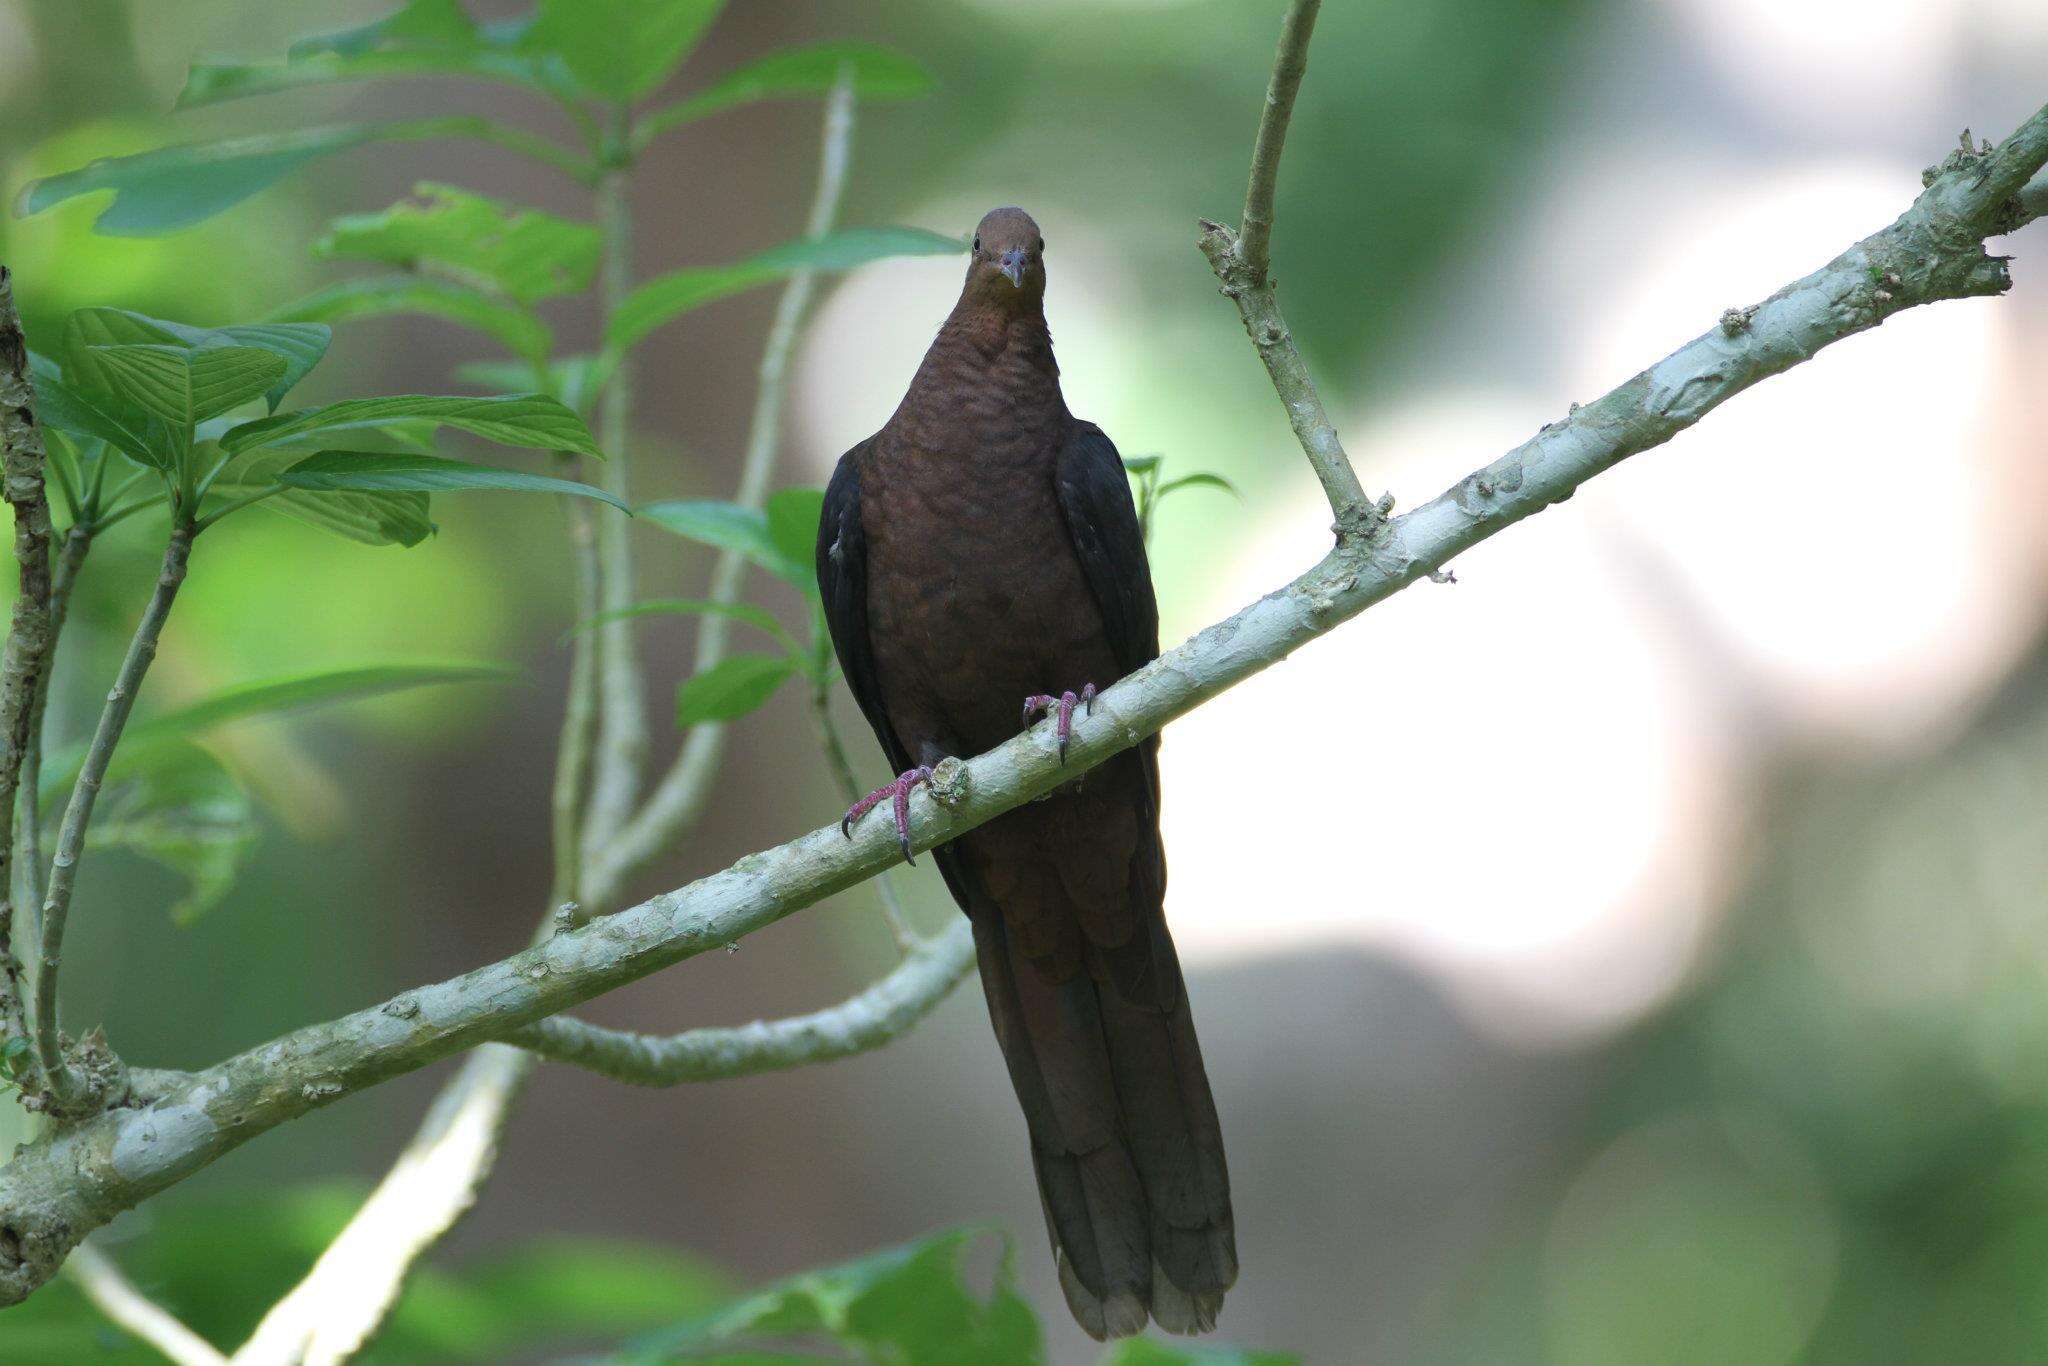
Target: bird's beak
x: 1013, y: 266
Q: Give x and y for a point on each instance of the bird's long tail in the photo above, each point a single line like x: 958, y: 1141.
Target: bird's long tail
x: 1124, y: 1135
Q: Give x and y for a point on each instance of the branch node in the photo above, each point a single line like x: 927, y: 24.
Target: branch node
x: 1734, y: 322
x: 948, y: 784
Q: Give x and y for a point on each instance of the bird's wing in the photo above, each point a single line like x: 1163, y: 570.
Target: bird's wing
x: 843, y: 588
x: 1102, y: 521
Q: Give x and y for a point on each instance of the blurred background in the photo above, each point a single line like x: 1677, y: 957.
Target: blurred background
x: 1634, y: 952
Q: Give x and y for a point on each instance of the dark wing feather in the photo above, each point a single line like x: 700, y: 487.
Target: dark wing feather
x: 1102, y: 520
x: 843, y: 588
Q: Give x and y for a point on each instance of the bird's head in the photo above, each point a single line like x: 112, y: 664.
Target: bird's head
x: 1007, y: 266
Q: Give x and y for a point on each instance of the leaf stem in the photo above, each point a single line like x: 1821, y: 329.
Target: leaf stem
x: 232, y: 505
x: 28, y: 823
x: 61, y: 1079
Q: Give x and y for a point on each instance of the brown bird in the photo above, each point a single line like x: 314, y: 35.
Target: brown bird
x: 980, y: 550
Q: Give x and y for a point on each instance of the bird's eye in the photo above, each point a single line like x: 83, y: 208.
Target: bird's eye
x: 977, y: 241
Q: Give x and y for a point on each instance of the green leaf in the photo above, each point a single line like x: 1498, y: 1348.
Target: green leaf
x: 175, y: 187
x: 667, y: 296
x: 733, y: 611
x: 297, y: 692
x: 878, y: 74
x: 378, y: 471
x: 513, y: 327
x: 523, y: 253
x: 793, y: 517
x: 174, y: 804
x: 620, y: 49
x: 389, y: 518
x: 1149, y: 1352
x: 104, y: 417
x: 1142, y: 464
x: 731, y: 688
x: 428, y: 23
x: 728, y: 526
x: 301, y: 346
x: 575, y: 380
x: 1200, y: 481
x: 177, y: 386
x: 530, y: 420
x: 908, y: 1304
x: 426, y: 38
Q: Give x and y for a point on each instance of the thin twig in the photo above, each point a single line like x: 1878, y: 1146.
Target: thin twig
x: 74, y: 1178
x: 572, y: 752
x: 1241, y: 262
x: 1255, y: 240
x: 679, y: 798
x: 621, y: 755
x: 25, y: 662
x: 883, y: 1012
x: 134, y: 1313
x: 62, y: 1080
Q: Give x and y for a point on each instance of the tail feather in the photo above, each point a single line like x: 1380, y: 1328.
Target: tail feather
x: 1124, y: 1138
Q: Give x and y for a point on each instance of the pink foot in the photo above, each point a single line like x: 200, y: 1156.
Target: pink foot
x: 900, y: 791
x: 1063, y: 706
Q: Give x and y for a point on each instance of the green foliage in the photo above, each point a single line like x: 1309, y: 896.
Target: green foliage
x: 1145, y: 471
x: 1151, y: 1352
x: 575, y: 380
x: 313, y: 688
x: 732, y: 687
x: 910, y: 1305
x: 523, y: 254
x: 220, y: 1263
x: 877, y: 73
x: 511, y: 326
x: 531, y: 420
x: 754, y: 534
x: 380, y: 471
x: 380, y: 518
x: 168, y: 800
x: 746, y: 612
x: 619, y: 50
x: 175, y: 187
x: 667, y: 297
x: 425, y: 38
x: 174, y: 804
x: 299, y: 346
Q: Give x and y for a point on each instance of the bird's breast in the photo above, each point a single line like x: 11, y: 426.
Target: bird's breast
x: 975, y: 597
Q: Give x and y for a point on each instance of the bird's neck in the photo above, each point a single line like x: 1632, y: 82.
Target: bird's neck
x: 989, y: 367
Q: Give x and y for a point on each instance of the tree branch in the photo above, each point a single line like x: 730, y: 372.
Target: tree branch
x: 28, y: 824
x: 333, y: 1312
x: 678, y: 799
x: 1241, y: 262
x: 66, y: 1083
x: 877, y: 1015
x: 134, y: 1313
x: 26, y: 660
x: 621, y: 758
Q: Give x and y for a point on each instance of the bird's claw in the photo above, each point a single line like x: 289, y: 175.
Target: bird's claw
x: 900, y: 792
x: 1062, y: 707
